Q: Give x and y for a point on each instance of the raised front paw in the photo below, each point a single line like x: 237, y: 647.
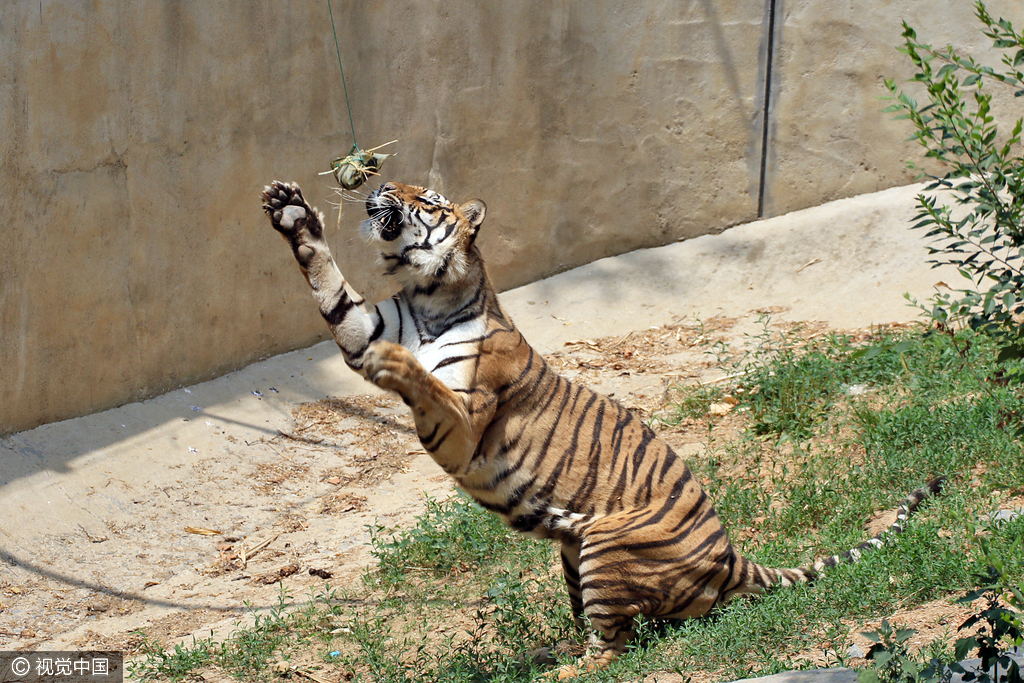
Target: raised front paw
x: 289, y: 213
x: 394, y: 368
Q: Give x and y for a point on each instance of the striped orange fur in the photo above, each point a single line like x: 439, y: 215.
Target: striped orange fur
x: 554, y: 459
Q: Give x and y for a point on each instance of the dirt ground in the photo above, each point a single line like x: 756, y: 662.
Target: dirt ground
x: 294, y: 508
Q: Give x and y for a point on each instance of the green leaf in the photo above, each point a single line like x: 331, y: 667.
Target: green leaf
x: 867, y: 353
x: 881, y: 658
x: 1008, y: 353
x: 904, y: 634
x: 867, y: 675
x: 964, y: 646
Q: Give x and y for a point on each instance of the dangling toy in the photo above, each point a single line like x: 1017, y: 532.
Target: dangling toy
x: 355, y: 169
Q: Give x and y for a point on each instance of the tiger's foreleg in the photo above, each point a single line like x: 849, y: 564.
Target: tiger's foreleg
x: 443, y: 423
x: 302, y: 227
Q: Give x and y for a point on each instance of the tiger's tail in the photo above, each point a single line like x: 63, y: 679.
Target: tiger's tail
x: 760, y: 578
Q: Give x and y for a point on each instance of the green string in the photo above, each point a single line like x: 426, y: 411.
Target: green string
x: 355, y: 145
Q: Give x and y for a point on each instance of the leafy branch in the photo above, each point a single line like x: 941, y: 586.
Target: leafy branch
x: 980, y: 230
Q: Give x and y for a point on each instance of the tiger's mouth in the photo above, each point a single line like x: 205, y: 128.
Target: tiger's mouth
x: 385, y: 214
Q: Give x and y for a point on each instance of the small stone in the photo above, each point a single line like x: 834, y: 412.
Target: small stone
x: 1005, y: 515
x: 100, y: 605
x: 719, y: 409
x: 855, y: 652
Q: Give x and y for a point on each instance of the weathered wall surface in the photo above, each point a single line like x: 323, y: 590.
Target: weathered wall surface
x: 137, y: 135
x: 828, y: 138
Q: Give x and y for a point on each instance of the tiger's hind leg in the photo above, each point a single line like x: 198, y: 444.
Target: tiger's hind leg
x: 607, y: 591
x: 653, y: 562
x: 571, y: 573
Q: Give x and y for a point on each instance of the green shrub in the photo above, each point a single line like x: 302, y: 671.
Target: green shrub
x: 980, y: 228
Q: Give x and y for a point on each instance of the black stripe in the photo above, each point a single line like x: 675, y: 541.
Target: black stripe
x: 378, y: 329
x: 623, y: 420
x: 401, y: 321
x: 522, y: 375
x: 503, y: 450
x: 585, y: 489
x: 398, y: 258
x: 514, y: 499
x: 453, y: 360
x: 430, y: 437
x: 735, y: 578
x: 440, y: 440
x: 473, y: 340
x: 670, y: 459
x: 465, y: 313
x: 527, y: 523
x: 428, y: 290
x: 337, y: 314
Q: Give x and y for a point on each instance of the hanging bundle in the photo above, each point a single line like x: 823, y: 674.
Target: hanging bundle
x: 355, y: 169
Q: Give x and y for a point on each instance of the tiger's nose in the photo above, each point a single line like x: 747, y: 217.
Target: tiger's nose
x: 373, y: 200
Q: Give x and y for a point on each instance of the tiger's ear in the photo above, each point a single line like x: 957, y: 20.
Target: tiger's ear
x: 474, y: 211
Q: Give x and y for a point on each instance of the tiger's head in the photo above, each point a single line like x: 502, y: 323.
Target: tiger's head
x: 422, y: 237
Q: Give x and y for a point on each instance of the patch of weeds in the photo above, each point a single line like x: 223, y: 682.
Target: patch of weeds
x: 893, y: 662
x: 998, y: 627
x: 951, y: 422
x: 518, y: 615
x: 250, y: 649
x: 245, y: 655
x: 451, y: 535
x: 172, y: 665
x: 692, y: 401
x: 790, y: 387
x: 489, y: 638
x: 790, y: 384
x: 790, y: 394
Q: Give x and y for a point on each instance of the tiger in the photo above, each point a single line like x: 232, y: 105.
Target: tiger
x: 554, y: 459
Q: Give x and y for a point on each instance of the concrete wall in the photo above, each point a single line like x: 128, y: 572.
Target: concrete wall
x: 828, y: 137
x: 137, y: 135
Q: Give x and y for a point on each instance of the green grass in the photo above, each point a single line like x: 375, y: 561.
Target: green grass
x: 451, y: 535
x: 246, y: 655
x: 458, y: 597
